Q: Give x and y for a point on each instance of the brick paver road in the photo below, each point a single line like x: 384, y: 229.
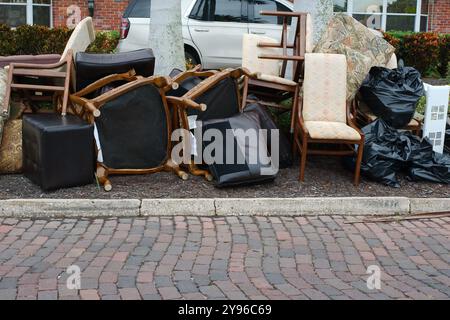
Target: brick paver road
x: 232, y: 257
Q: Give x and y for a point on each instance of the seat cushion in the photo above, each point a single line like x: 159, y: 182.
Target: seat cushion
x: 324, y: 87
x: 251, y: 51
x: 331, y: 130
x: 275, y: 79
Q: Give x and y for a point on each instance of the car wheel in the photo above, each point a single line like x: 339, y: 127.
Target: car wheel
x: 191, y: 60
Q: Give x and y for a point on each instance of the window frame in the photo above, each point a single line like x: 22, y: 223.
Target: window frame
x: 29, y: 9
x: 384, y: 14
x: 243, y: 19
x: 251, y: 12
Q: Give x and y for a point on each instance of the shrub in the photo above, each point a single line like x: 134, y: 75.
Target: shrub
x: 428, y: 52
x: 105, y: 42
x: 36, y: 39
x: 7, y: 43
x: 444, y: 56
x: 422, y: 50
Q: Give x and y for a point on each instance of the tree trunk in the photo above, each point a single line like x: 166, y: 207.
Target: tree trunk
x: 321, y: 12
x: 165, y: 36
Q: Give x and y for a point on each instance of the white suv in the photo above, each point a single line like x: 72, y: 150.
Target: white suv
x: 212, y: 29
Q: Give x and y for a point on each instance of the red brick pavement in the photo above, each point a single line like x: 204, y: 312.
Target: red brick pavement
x: 224, y: 258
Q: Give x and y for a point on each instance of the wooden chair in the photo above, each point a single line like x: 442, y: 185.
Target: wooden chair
x: 268, y: 59
x: 60, y: 74
x: 133, y: 124
x: 324, y: 114
x: 211, y: 106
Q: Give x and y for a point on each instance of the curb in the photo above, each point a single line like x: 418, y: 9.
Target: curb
x: 54, y: 208
x: 313, y: 206
x: 424, y: 205
x: 350, y: 206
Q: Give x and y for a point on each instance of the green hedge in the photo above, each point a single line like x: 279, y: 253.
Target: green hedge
x: 35, y: 39
x: 428, y: 52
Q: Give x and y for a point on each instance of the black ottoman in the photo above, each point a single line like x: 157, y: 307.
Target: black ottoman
x: 58, y: 152
x: 92, y: 67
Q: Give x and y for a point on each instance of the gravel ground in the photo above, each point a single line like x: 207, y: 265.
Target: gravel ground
x: 325, y: 177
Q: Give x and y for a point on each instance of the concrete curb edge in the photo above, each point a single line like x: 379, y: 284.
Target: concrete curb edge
x: 348, y: 206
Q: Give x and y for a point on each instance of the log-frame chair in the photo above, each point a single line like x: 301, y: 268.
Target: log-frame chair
x: 91, y: 109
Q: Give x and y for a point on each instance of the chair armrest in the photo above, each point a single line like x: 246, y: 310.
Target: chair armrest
x: 186, y: 103
x: 127, y: 76
x: 42, y: 66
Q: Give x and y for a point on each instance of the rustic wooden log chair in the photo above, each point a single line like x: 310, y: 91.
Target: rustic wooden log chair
x: 268, y: 59
x: 61, y: 74
x: 206, y: 93
x: 324, y: 115
x: 133, y: 125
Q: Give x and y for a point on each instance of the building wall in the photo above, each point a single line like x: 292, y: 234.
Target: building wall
x: 439, y: 18
x: 107, y: 13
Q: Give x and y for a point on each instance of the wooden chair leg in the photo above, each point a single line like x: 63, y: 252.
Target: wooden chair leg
x: 294, y: 108
x: 358, y: 164
x: 244, y: 94
x: 65, y: 98
x: 193, y: 169
x: 8, y: 92
x: 102, y: 176
x: 303, y: 155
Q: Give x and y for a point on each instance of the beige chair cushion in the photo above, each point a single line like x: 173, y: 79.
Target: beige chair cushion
x: 82, y: 36
x: 275, y: 79
x: 324, y: 87
x: 251, y: 52
x: 3, y: 80
x: 392, y: 64
x: 331, y: 131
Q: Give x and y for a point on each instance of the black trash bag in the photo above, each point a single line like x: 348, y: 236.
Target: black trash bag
x: 284, y: 146
x: 388, y: 151
x: 429, y: 165
x: 392, y: 95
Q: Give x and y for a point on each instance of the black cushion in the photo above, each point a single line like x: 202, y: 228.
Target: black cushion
x: 91, y: 67
x: 132, y: 130
x: 221, y: 100
x: 241, y: 170
x: 58, y: 151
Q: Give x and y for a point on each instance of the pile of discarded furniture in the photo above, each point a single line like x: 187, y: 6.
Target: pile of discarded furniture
x: 111, y: 115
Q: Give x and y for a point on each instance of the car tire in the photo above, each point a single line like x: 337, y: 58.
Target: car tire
x: 191, y: 59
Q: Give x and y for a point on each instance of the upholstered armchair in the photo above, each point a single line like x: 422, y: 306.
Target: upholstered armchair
x: 324, y: 114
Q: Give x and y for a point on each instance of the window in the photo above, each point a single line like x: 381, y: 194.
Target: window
x: 401, y: 15
x: 138, y: 9
x: 218, y: 10
x: 18, y: 12
x: 268, y: 5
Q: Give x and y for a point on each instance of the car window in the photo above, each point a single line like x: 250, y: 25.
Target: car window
x: 218, y: 10
x: 138, y: 9
x: 268, y: 5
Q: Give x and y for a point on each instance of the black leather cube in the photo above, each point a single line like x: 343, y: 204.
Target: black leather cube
x: 58, y: 151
